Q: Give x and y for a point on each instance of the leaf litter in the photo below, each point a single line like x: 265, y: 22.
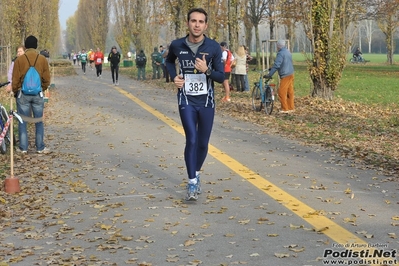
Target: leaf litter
x: 366, y: 134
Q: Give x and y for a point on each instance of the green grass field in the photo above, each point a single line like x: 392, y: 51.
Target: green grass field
x: 373, y: 58
x: 374, y: 82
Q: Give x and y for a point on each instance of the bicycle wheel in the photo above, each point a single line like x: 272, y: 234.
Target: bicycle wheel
x: 256, y: 99
x: 3, y: 146
x: 269, y: 102
x: 6, y: 141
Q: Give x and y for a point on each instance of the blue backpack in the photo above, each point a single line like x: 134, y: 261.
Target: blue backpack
x: 32, y: 84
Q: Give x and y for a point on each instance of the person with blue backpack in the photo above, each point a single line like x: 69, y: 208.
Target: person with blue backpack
x: 30, y: 78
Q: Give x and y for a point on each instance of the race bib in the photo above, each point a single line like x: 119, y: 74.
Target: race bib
x: 99, y: 60
x: 195, y: 84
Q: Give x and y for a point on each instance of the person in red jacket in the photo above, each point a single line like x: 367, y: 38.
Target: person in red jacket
x: 98, y: 61
x: 227, y: 58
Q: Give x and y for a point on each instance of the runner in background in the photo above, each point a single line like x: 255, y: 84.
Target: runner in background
x: 83, y: 60
x: 114, y: 59
x: 98, y: 61
x: 91, y: 58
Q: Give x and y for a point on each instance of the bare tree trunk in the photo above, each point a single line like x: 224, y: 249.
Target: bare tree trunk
x: 232, y: 24
x: 323, y: 90
x: 326, y: 28
x: 257, y: 45
x: 390, y: 43
x: 272, y: 37
x: 248, y: 31
x: 177, y: 21
x: 387, y: 21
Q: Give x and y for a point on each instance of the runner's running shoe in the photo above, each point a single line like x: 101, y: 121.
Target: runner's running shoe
x: 191, y: 192
x: 198, y: 184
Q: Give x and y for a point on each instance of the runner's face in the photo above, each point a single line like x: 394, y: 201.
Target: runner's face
x: 196, y: 25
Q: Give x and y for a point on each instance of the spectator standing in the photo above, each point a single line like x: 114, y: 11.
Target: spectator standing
x: 240, y: 68
x: 27, y: 103
x: 156, y: 58
x: 285, y: 68
x: 200, y: 61
x: 98, y: 61
x: 20, y: 51
x: 141, y: 62
x: 162, y: 51
x: 114, y: 58
x: 227, y: 58
x: 232, y: 81
x: 46, y: 54
x: 165, y: 54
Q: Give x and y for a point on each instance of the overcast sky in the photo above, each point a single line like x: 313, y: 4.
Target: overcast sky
x: 67, y: 9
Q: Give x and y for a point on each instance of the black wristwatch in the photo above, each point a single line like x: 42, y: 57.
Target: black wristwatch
x: 208, y: 72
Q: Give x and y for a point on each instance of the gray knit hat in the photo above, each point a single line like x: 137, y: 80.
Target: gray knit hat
x: 280, y: 43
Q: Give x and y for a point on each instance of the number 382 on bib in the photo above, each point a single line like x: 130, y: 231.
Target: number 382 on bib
x: 195, y: 84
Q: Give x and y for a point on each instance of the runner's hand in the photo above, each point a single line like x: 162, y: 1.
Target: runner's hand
x: 179, y: 81
x: 200, y: 64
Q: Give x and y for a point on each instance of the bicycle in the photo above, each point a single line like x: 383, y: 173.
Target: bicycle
x: 5, y: 119
x: 263, y: 94
x: 358, y: 60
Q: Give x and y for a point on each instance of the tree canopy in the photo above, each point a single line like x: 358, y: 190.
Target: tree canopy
x: 22, y: 18
x: 144, y: 24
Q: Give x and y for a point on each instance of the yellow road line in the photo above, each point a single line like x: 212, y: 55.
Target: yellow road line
x: 320, y: 223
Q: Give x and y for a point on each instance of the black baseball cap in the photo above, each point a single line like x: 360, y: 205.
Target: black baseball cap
x: 223, y: 44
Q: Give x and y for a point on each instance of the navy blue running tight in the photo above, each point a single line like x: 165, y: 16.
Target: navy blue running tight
x: 197, y: 123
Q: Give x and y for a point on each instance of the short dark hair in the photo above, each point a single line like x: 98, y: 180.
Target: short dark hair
x: 199, y: 10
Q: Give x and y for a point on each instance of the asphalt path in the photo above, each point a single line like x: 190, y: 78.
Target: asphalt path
x: 266, y: 200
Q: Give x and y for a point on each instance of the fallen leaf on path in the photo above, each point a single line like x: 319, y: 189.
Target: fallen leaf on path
x: 188, y: 243
x: 281, y: 255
